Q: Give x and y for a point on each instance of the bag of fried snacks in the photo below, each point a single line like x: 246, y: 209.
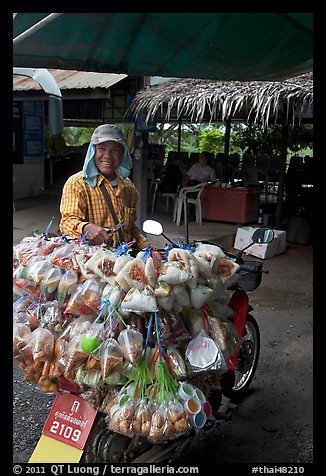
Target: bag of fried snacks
x: 121, y: 416
x: 141, y: 423
x: 131, y: 344
x: 43, y: 344
x: 111, y: 357
x: 50, y: 283
x: 67, y: 285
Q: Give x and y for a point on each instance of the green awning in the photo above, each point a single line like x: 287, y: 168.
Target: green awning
x: 222, y: 46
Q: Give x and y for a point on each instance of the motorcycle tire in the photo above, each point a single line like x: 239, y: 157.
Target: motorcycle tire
x: 105, y: 446
x: 236, y: 384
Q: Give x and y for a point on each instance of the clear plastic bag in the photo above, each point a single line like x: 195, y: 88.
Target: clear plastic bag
x: 203, y: 353
x: 131, y: 344
x: 139, y: 301
x: 111, y: 357
x: 120, y: 421
x: 141, y: 423
x: 67, y: 285
x: 43, y: 345
x: 50, y: 283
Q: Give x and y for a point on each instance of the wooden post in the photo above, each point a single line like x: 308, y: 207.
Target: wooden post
x: 282, y: 170
x: 225, y: 175
x: 139, y: 177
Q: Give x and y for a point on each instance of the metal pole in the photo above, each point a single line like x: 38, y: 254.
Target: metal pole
x: 36, y: 27
x: 185, y: 213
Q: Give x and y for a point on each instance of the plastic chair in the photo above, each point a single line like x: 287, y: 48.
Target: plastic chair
x: 181, y: 202
x: 168, y: 185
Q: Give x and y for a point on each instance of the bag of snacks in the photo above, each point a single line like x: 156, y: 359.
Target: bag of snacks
x: 131, y: 344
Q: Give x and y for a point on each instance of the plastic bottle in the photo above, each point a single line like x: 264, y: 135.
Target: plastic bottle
x: 260, y: 217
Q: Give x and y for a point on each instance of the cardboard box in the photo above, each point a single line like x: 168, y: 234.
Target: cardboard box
x: 263, y: 251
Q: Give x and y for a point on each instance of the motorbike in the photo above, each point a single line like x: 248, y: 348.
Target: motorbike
x: 104, y: 445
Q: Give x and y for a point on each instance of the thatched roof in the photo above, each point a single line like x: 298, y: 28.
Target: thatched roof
x: 198, y: 100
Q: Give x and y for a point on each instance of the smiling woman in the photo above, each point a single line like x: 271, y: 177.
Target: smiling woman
x: 107, y: 158
x: 100, y: 196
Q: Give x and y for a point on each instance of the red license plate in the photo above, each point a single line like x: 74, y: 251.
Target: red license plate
x: 70, y: 420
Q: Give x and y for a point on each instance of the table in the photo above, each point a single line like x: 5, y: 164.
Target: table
x: 234, y: 205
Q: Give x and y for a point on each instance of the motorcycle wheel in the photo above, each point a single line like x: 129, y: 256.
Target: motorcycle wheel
x: 105, y: 446
x: 235, y: 385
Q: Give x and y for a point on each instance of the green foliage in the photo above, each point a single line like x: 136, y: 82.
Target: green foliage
x: 76, y: 136
x: 300, y: 137
x: 211, y: 140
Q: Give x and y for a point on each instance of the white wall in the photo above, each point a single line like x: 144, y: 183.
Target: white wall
x: 28, y: 179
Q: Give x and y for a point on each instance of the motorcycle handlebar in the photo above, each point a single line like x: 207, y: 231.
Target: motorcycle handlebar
x: 253, y: 268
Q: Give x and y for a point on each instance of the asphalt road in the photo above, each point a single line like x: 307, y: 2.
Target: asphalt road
x: 274, y: 423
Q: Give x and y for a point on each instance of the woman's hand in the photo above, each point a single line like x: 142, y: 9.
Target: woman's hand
x: 96, y: 234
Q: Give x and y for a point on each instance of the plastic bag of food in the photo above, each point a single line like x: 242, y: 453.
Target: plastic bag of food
x: 22, y: 336
x: 111, y: 357
x: 162, y: 289
x: 178, y: 417
x: 67, y: 285
x: 78, y: 326
x: 50, y: 283
x: 166, y: 302
x: 168, y: 421
x: 120, y: 262
x: 131, y: 344
x: 76, y: 304
x: 91, y: 293
x: 173, y: 273
x: 89, y: 377
x: 65, y: 256
x: 193, y: 271
x: 200, y: 295
x: 176, y: 362
x: 27, y: 248
x: 43, y: 344
x: 20, y: 307
x: 181, y: 295
x: 102, y: 263
x: 121, y: 417
x: 58, y: 363
x: 82, y: 257
x: 172, y: 329
x: 51, y: 317
x: 23, y: 285
x: 225, y: 334
x: 194, y: 319
x: 181, y: 257
x: 113, y: 294
x: 39, y: 268
x: 203, y: 353
x: 141, y: 423
x: 139, y: 301
x: 75, y: 357
x: 134, y: 273
x: 93, y: 338
x: 225, y: 268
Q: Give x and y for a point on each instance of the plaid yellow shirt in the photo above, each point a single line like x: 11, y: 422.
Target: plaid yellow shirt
x: 81, y: 204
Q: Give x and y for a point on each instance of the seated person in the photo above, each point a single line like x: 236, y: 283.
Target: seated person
x: 201, y: 171
x: 171, y: 179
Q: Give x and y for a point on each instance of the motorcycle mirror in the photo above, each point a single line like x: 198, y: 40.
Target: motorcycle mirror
x: 154, y: 227
x: 263, y: 235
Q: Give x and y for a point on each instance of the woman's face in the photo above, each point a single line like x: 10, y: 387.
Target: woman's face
x: 108, y: 157
x: 202, y: 160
